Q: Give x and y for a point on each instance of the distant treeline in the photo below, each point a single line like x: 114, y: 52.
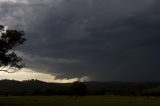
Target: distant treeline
x: 36, y: 87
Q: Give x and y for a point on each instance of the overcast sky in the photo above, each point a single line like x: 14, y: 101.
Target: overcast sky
x: 103, y: 40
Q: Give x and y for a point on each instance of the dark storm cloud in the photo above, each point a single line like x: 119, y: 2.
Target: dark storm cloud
x: 105, y: 39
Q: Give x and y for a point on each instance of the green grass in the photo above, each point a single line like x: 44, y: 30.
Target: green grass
x: 80, y: 101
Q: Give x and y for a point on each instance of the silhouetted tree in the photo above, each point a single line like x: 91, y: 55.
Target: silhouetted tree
x: 9, y: 39
x: 78, y: 89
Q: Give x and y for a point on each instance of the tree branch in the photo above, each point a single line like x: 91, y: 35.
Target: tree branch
x: 8, y: 71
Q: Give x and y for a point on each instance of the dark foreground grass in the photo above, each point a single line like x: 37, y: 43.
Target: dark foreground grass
x: 80, y: 101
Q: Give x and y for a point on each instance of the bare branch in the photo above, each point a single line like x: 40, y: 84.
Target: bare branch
x: 2, y: 68
x: 8, y: 71
x: 9, y: 68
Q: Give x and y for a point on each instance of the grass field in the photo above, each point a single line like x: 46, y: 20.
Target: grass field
x: 80, y: 101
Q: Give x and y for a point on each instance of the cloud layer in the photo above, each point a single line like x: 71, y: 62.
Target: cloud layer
x: 104, y: 40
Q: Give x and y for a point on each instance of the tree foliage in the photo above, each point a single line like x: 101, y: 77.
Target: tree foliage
x: 9, y: 40
x: 78, y: 89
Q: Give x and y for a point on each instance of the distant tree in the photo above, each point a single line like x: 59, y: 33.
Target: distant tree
x: 9, y: 40
x: 78, y: 89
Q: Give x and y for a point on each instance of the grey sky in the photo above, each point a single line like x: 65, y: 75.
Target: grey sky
x: 102, y: 39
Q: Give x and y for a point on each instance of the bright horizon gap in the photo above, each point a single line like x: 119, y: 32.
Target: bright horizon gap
x: 28, y: 74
